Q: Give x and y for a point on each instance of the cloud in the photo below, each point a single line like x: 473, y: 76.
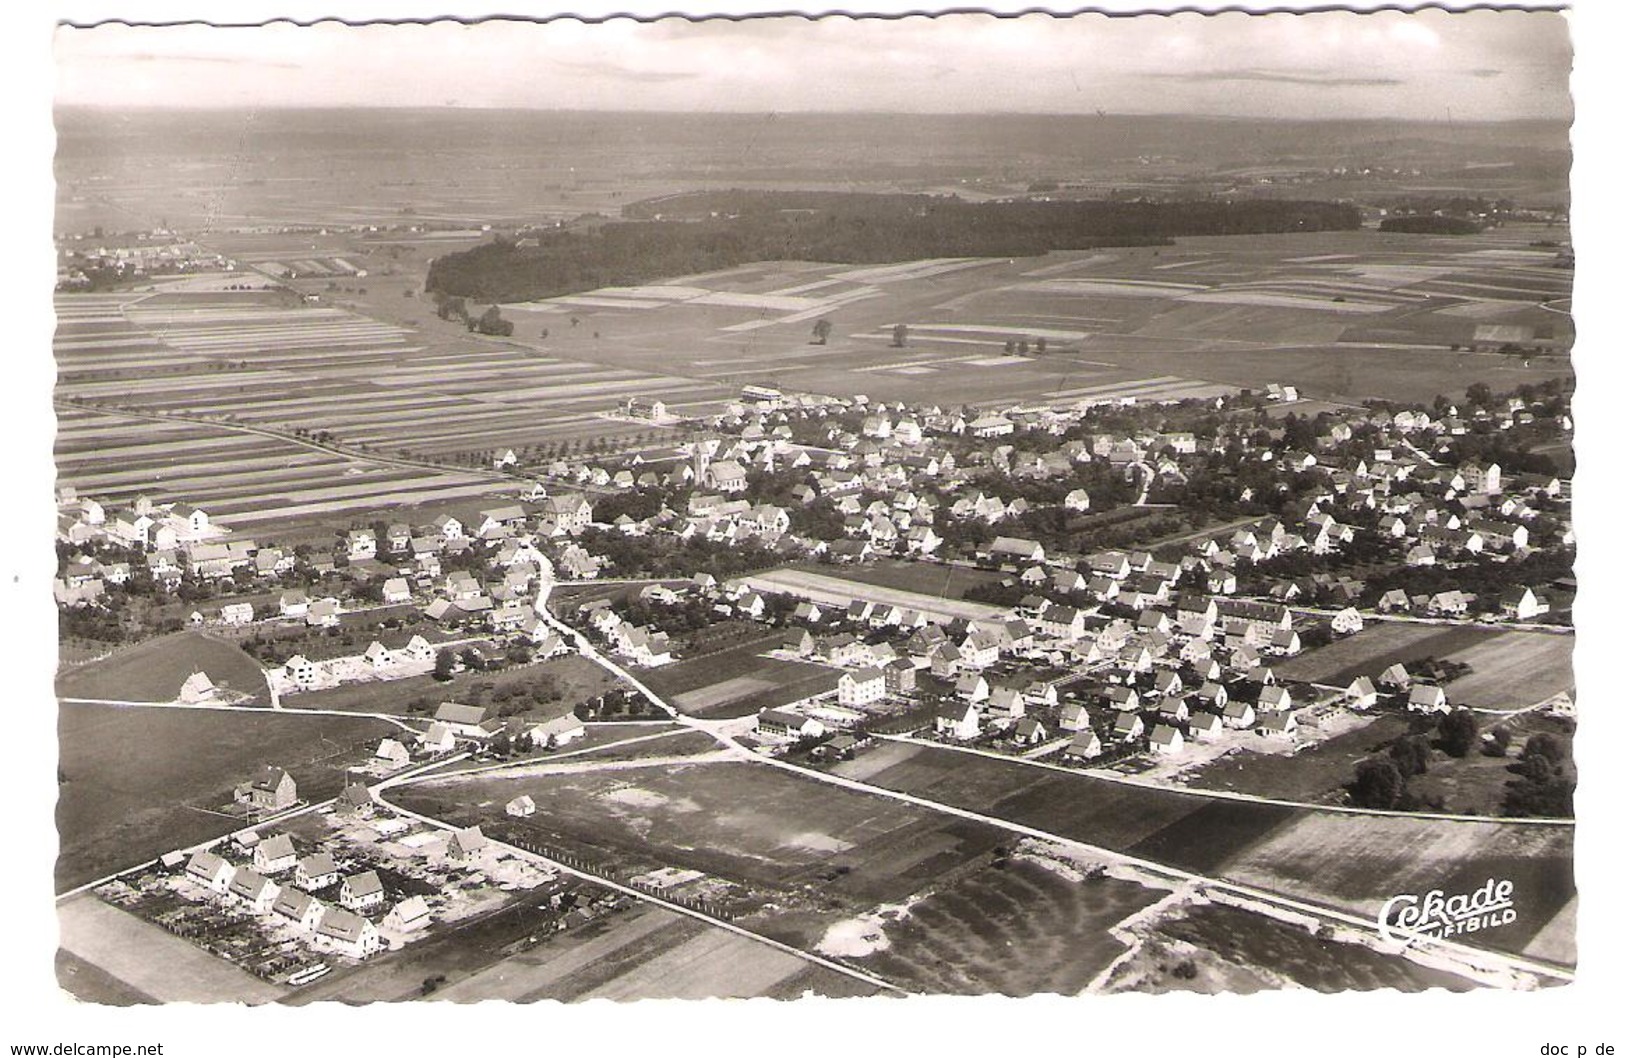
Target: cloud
x: 1296, y: 77
x: 209, y: 60
x: 617, y: 72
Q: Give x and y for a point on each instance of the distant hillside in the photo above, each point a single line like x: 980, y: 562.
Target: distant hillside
x: 1430, y: 225
x: 724, y: 229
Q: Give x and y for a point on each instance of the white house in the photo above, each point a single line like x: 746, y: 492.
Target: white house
x: 958, y: 720
x: 861, y: 686
x: 1166, y: 739
x: 275, y: 855
x: 346, y: 933
x: 409, y: 915
x: 361, y: 892
x: 1426, y: 698
x: 1085, y: 744
x: 437, y: 739
x: 255, y: 890
x: 394, y: 752
x: 316, y: 871
x: 211, y: 870
x: 299, y: 909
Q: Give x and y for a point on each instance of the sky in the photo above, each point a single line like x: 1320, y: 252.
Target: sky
x: 1429, y: 65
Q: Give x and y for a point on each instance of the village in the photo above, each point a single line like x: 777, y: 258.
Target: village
x: 1248, y: 533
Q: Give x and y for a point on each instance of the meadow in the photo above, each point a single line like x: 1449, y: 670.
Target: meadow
x: 153, y: 670
x: 133, y: 783
x: 1511, y: 669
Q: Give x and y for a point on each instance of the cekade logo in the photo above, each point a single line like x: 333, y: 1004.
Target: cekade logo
x: 1437, y: 916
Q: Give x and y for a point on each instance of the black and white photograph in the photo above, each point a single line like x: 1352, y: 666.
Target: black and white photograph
x: 971, y: 504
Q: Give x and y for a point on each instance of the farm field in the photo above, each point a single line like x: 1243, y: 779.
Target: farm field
x: 1515, y: 670
x: 1319, y: 773
x: 1315, y: 773
x: 742, y: 822
x: 135, y: 782
x: 1232, y: 950
x: 1015, y: 930
x: 713, y: 964
x: 924, y: 578
x: 302, y: 369
x: 577, y: 680
x: 153, y: 670
x: 835, y: 588
x: 151, y: 962
x: 1511, y: 669
x: 245, y: 481
x: 1344, y: 315
x: 1378, y: 645
x: 1357, y: 863
x: 1285, y: 850
x: 735, y: 682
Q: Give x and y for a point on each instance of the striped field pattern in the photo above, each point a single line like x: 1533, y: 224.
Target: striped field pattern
x: 288, y: 369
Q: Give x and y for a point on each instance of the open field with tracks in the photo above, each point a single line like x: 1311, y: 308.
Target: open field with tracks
x: 1283, y: 849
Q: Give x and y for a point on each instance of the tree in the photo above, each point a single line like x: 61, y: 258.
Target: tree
x: 445, y: 663
x: 1479, y: 394
x: 820, y: 332
x: 1410, y: 755
x: 899, y: 336
x: 1458, y: 732
x: 1377, y: 784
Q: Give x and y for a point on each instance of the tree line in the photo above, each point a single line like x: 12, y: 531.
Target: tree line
x: 847, y: 229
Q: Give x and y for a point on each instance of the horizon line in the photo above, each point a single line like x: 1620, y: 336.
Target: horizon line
x: 58, y: 106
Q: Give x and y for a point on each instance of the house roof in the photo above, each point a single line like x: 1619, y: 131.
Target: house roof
x: 268, y: 778
x: 412, y: 909
x: 469, y: 839
x: 277, y: 847
x: 318, y: 864
x: 364, y: 884
x: 250, y: 883
x: 206, y: 863
x: 343, y: 925
x: 292, y: 903
x: 456, y: 713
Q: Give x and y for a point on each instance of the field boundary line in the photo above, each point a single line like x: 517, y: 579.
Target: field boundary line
x: 398, y: 721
